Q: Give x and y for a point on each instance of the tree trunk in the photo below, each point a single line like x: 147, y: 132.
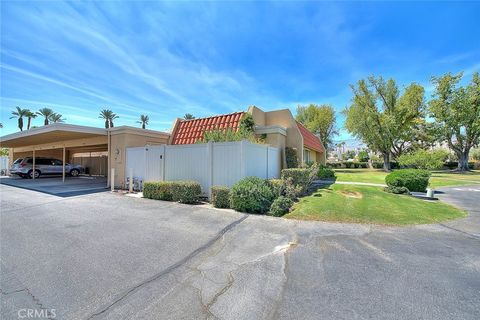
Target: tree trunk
x: 386, y: 161
x: 111, y: 124
x: 46, y: 121
x: 143, y: 126
x: 28, y: 123
x: 20, y: 124
x: 463, y: 161
x: 106, y: 124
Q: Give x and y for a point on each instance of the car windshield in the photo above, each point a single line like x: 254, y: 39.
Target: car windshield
x: 18, y: 161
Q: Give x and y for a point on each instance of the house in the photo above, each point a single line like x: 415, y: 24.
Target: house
x: 106, y: 147
x: 279, y: 128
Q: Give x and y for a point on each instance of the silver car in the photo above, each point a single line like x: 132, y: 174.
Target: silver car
x: 23, y: 167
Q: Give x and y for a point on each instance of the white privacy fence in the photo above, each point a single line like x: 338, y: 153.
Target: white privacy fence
x: 211, y: 164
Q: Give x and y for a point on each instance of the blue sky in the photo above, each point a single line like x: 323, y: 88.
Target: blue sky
x: 205, y: 58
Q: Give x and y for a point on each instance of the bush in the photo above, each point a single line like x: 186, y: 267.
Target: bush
x: 220, y: 197
x: 412, y: 179
x: 291, y: 157
x: 158, y: 190
x: 325, y: 173
x: 397, y: 190
x: 454, y: 164
x: 280, y: 206
x: 186, y: 191
x: 423, y: 159
x: 363, y: 164
x: 277, y: 186
x: 252, y: 195
x: 299, y: 177
x: 363, y: 156
x: 475, y: 154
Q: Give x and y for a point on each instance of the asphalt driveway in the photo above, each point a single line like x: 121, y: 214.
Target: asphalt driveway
x: 106, y: 256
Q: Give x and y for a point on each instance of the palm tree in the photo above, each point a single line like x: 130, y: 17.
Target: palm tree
x: 56, y: 117
x: 19, y: 113
x: 188, y: 116
x: 46, y: 113
x: 106, y: 114
x: 1, y: 125
x: 30, y: 115
x: 114, y: 116
x: 109, y: 116
x: 143, y: 120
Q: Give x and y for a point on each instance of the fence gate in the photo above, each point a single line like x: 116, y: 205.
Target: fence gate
x: 154, y: 164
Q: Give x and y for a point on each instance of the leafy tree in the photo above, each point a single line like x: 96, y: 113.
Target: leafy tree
x: 363, y: 156
x: 56, y: 117
x: 475, y: 154
x: 143, y: 120
x: 19, y: 113
x: 188, y: 116
x: 46, y: 113
x: 319, y: 119
x: 30, y: 115
x: 382, y: 118
x: 424, y: 159
x: 3, y: 151
x: 247, y: 125
x: 350, y: 154
x: 456, y: 111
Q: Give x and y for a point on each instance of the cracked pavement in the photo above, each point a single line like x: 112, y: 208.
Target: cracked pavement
x: 106, y: 256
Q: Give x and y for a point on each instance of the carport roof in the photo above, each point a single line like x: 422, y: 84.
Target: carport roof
x: 50, y: 133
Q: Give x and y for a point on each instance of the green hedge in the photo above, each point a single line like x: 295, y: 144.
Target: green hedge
x: 280, y: 206
x: 179, y: 191
x: 252, y: 195
x: 158, y: 190
x: 220, y: 197
x: 299, y: 177
x: 278, y: 186
x: 325, y: 173
x: 411, y: 179
x: 186, y: 191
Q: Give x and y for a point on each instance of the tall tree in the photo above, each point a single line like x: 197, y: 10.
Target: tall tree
x: 321, y: 120
x: 30, y: 115
x: 382, y: 118
x: 456, y: 111
x: 143, y: 120
x: 188, y: 116
x: 46, y: 113
x: 19, y: 113
x: 109, y: 116
x: 56, y: 117
x: 112, y: 117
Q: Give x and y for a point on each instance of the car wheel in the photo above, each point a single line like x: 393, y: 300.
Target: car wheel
x: 31, y: 173
x: 74, y: 172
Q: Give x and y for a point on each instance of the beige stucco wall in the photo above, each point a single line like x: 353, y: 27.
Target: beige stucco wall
x: 282, y: 118
x: 121, y: 139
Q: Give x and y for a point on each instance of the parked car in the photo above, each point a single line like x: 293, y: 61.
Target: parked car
x: 23, y: 167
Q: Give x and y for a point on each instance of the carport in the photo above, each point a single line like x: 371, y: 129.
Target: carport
x: 59, y: 141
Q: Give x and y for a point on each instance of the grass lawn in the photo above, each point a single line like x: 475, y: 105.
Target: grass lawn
x: 366, y: 204
x: 438, y: 179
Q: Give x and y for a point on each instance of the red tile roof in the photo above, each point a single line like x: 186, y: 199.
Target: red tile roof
x: 190, y: 131
x: 310, y: 140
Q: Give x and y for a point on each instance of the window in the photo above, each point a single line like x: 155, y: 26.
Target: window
x: 306, y: 155
x: 56, y: 162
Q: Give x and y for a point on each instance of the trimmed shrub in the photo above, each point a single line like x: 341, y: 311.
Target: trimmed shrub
x: 291, y: 157
x: 280, y: 206
x: 278, y: 186
x: 412, y: 179
x: 220, y: 197
x: 300, y: 177
x: 158, y: 190
x: 424, y: 159
x: 325, y: 173
x: 252, y: 195
x: 397, y: 190
x: 186, y: 191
